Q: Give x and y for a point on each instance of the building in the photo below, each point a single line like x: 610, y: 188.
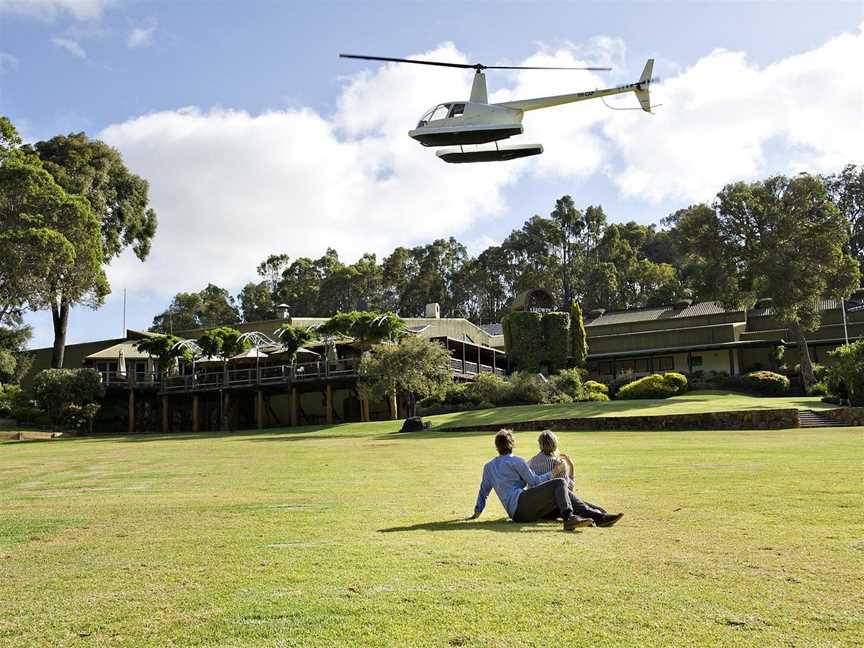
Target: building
x: 689, y: 337
x: 260, y: 387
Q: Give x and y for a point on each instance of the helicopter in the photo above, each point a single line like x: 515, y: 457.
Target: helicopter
x: 476, y: 121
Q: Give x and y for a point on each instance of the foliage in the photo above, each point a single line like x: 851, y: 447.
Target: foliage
x: 164, y: 348
x: 256, y: 302
x: 527, y: 387
x: 222, y: 341
x: 597, y: 396
x: 569, y: 381
x: 55, y: 389
x: 293, y: 338
x: 653, y: 386
x: 28, y: 414
x: 79, y: 417
x: 488, y: 387
x: 10, y: 396
x: 415, y: 366
x: 818, y: 389
x: 365, y: 326
x: 523, y: 335
x: 848, y: 368
x: 578, y: 336
x: 766, y: 383
x: 594, y: 386
x: 211, y: 307
x: 846, y: 190
x: 556, y: 341
x: 677, y: 380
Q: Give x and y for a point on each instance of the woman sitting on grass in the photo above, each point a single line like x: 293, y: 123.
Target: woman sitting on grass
x: 525, y: 496
x: 548, y: 457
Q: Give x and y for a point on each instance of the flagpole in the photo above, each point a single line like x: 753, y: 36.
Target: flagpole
x: 845, y: 329
x: 124, y: 312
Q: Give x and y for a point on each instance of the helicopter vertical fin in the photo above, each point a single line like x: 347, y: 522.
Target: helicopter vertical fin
x: 478, y: 89
x: 644, y: 83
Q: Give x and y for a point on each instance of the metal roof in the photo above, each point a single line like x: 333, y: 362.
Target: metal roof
x: 656, y: 313
x: 129, y: 349
x: 493, y: 329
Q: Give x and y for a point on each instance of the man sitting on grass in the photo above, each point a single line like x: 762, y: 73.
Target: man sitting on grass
x: 548, y: 457
x: 526, y: 496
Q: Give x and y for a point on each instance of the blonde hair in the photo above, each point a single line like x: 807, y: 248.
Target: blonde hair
x: 548, y: 442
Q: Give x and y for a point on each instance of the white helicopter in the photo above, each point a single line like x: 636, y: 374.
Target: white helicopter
x: 476, y: 121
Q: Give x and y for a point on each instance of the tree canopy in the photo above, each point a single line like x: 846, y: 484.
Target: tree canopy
x: 414, y: 366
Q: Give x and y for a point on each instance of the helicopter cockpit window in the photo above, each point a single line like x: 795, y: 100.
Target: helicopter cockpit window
x: 457, y: 110
x: 440, y: 112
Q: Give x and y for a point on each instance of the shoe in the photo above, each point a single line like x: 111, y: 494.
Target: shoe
x: 609, y: 520
x: 574, y: 522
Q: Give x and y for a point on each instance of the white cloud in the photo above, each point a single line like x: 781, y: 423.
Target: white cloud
x: 7, y: 62
x: 51, y: 9
x: 231, y: 188
x: 141, y: 36
x: 721, y: 117
x: 71, y: 46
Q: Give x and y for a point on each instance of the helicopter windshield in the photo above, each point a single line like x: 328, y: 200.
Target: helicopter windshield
x: 438, y: 112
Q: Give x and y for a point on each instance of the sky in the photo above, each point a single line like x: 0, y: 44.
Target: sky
x: 257, y: 139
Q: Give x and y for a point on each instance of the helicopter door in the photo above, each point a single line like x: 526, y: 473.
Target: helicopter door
x: 457, y: 110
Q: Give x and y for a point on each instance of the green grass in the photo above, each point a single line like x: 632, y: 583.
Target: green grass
x: 350, y: 536
x: 689, y: 403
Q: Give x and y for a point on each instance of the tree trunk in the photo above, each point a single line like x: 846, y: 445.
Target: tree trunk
x: 807, y: 377
x: 60, y: 316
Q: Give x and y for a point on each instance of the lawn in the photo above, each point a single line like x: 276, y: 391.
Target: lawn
x: 350, y: 536
x: 689, y: 403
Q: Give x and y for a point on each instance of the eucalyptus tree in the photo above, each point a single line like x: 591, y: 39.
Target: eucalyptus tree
x: 119, y: 200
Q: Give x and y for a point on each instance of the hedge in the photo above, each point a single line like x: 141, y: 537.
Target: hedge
x: 523, y: 334
x: 594, y: 386
x: 569, y: 382
x: 556, y: 339
x: 767, y: 383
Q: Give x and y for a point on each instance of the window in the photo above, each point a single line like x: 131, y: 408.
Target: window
x: 604, y: 368
x: 440, y: 112
x: 640, y: 365
x: 664, y: 363
x: 696, y: 361
x: 457, y: 110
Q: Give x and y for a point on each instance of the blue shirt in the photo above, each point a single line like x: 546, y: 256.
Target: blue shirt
x: 508, y: 476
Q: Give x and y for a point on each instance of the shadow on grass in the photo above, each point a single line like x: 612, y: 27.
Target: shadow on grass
x: 461, y: 524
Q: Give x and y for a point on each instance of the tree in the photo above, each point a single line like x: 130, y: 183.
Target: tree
x: 364, y: 326
x: 570, y: 224
x: 165, y: 348
x: 58, y: 389
x: 847, y: 367
x: 578, y: 336
x: 293, y: 338
x: 784, y: 239
x: 271, y: 269
x: 222, y: 341
x: 256, y: 302
x: 846, y: 190
x: 119, y: 200
x: 415, y: 366
x: 213, y: 306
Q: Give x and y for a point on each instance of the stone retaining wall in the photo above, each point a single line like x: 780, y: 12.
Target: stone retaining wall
x: 766, y: 419
x: 850, y: 415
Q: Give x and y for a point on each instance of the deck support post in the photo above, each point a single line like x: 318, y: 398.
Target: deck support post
x: 364, y: 410
x: 164, y: 415
x: 328, y: 403
x: 259, y: 408
x: 293, y: 407
x: 131, y: 410
x: 226, y: 412
x: 196, y: 425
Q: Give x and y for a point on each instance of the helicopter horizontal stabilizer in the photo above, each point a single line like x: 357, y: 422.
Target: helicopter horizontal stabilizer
x: 644, y: 84
x: 498, y: 154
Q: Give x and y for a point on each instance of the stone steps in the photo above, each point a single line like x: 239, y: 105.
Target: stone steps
x: 814, y: 419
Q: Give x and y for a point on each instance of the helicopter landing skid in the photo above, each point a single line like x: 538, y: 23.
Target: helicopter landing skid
x: 498, y: 154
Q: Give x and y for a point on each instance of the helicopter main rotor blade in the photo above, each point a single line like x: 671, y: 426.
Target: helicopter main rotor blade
x: 469, y: 66
x: 401, y: 60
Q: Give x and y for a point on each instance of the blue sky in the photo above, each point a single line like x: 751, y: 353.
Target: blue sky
x: 256, y: 138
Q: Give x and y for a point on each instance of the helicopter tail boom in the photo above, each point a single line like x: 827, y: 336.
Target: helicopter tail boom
x: 640, y: 88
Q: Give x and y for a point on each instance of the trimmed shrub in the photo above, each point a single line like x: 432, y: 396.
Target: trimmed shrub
x: 597, y: 396
x: 489, y: 388
x: 27, y: 414
x: 677, y: 380
x: 556, y: 340
x: 569, y: 381
x: 578, y: 336
x: 594, y: 386
x: 766, y: 383
x: 559, y: 398
x: 653, y: 386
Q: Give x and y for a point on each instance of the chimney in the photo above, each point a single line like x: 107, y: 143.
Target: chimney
x: 433, y: 311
